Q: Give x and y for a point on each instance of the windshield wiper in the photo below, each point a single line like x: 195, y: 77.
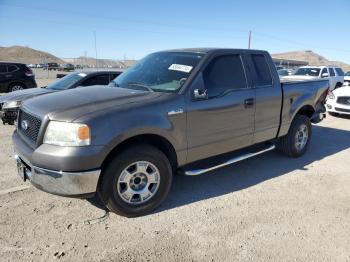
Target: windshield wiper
x: 141, y: 85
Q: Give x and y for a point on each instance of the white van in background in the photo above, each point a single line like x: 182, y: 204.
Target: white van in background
x: 335, y: 75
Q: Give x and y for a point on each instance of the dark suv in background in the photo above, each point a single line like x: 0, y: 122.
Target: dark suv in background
x: 15, y: 76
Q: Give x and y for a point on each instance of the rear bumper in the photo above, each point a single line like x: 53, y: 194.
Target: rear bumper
x: 320, y: 113
x: 69, y: 184
x: 31, y: 83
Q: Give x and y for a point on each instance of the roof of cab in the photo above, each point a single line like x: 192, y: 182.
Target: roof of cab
x: 205, y: 50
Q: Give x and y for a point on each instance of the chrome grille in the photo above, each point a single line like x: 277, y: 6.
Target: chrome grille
x: 29, y: 125
x: 344, y: 100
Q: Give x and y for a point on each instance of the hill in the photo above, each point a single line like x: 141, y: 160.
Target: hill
x: 312, y: 58
x: 32, y: 56
x: 91, y: 62
x: 27, y: 55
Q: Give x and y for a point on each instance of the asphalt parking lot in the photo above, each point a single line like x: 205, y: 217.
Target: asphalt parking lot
x: 266, y: 208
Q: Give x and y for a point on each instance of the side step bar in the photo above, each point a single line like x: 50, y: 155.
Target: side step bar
x: 228, y: 162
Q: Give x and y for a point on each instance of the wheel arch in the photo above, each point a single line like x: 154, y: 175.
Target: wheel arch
x: 306, y: 110
x: 158, y: 141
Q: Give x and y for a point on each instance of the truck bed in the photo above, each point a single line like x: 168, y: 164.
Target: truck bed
x: 299, y: 93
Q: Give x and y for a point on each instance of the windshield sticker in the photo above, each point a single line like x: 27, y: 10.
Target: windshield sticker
x: 181, y: 68
x: 82, y: 74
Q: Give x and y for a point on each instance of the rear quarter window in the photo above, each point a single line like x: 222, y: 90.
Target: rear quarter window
x: 12, y: 68
x: 261, y: 71
x: 339, y: 71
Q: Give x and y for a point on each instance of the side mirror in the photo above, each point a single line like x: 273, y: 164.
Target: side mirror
x: 200, y: 94
x: 324, y: 75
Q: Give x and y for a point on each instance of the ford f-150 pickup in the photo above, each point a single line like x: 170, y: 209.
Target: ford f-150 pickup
x: 186, y: 111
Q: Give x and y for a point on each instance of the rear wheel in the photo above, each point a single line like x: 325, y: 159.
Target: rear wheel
x: 295, y: 143
x: 136, y: 181
x: 16, y: 87
x: 338, y: 85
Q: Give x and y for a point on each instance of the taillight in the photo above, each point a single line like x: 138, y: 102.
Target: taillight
x: 29, y: 73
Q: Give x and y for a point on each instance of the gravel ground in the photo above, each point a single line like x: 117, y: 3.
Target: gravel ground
x: 266, y: 208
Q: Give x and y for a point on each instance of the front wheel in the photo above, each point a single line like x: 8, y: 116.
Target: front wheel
x: 297, y: 140
x: 136, y: 181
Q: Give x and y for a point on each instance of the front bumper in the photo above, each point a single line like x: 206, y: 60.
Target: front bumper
x: 69, y: 184
x: 64, y: 171
x: 333, y: 107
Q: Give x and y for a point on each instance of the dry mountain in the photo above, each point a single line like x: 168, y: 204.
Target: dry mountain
x: 312, y: 58
x: 31, y: 56
x: 27, y: 55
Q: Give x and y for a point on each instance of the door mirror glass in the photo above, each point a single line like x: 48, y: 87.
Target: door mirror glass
x: 200, y: 94
x: 324, y: 75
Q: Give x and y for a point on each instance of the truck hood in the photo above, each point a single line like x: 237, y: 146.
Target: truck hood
x: 21, y: 95
x: 74, y: 103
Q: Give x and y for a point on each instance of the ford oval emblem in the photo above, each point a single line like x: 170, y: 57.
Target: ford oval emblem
x: 25, y: 124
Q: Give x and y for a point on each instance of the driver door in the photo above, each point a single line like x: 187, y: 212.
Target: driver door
x: 222, y: 120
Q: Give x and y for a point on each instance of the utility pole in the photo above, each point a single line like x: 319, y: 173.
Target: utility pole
x: 95, y: 49
x: 249, y: 39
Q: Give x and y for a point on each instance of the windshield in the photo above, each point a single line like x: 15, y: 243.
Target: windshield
x: 160, y: 72
x: 347, y: 74
x: 66, y: 82
x: 307, y: 72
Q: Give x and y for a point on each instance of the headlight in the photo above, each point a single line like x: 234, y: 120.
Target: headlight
x: 67, y: 134
x: 331, y: 95
x: 11, y: 104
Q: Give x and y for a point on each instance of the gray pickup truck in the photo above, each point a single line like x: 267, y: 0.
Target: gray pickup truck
x: 185, y: 111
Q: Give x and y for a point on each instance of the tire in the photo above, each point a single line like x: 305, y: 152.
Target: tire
x: 338, y: 85
x: 288, y: 144
x: 16, y: 87
x: 113, y: 191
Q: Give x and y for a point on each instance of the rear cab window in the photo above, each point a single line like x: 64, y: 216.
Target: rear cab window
x: 223, y: 74
x: 261, y: 71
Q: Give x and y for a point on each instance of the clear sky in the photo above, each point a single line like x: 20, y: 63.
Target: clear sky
x: 133, y: 28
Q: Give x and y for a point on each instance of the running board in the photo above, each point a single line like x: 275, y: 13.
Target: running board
x: 228, y: 162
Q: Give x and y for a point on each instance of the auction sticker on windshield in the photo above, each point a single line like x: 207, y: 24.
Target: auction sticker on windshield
x: 181, y: 68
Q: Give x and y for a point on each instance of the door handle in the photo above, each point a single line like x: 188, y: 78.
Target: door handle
x: 249, y: 102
